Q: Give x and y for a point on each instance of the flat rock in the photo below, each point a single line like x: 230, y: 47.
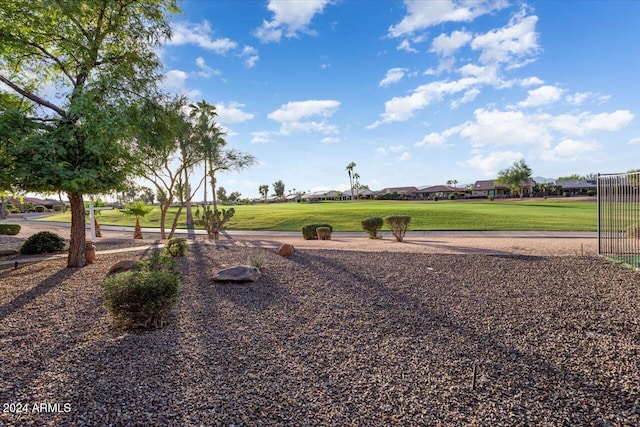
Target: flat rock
x: 7, y: 252
x: 237, y: 274
x: 122, y: 266
x: 286, y: 250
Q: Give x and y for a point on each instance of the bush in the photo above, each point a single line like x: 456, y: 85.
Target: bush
x: 591, y: 192
x: 372, y: 225
x: 566, y: 194
x: 42, y: 242
x: 309, y: 231
x: 140, y: 299
x: 256, y: 260
x: 159, y: 262
x: 452, y: 196
x: 57, y: 208
x: 176, y: 247
x: 40, y: 209
x: 10, y: 229
x: 491, y: 198
x: 633, y: 231
x: 436, y: 198
x: 398, y: 225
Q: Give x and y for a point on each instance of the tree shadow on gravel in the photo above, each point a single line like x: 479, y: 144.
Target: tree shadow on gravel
x: 456, y: 248
x: 532, y: 369
x: 36, y: 292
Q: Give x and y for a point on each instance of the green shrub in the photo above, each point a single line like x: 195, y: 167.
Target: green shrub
x: 491, y: 198
x: 436, y: 198
x: 176, y: 247
x: 566, y: 194
x: 309, y: 231
x: 452, y: 196
x: 57, y: 208
x: 140, y: 299
x: 42, y: 242
x: 40, y: 209
x: 372, y: 225
x: 158, y: 261
x: 256, y: 260
x: 10, y: 229
x: 398, y: 225
x: 591, y: 192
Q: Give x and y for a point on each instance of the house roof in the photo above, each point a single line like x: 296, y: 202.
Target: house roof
x: 364, y: 192
x: 406, y: 190
x: 440, y: 189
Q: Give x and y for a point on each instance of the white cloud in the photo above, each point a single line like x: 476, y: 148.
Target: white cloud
x: 424, y: 14
x: 381, y: 150
x: 582, y: 123
x: 569, y: 150
x: 199, y: 35
x: 634, y: 141
x: 396, y: 148
x: 250, y: 55
x: 175, y: 81
x: 291, y: 115
x: 231, y: 113
x: 468, y: 96
x: 432, y: 140
x: 260, y: 137
x: 205, y: 70
x: 514, y: 41
x: 330, y: 140
x: 577, y: 98
x: 405, y: 156
x: 289, y: 19
x: 446, y: 45
x: 531, y: 81
x: 492, y: 163
x: 406, y: 46
x: 541, y: 96
x: 394, y: 75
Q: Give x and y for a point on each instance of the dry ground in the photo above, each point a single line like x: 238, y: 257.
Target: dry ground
x: 333, y: 337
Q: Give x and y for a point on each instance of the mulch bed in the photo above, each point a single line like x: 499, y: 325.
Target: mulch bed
x: 331, y: 338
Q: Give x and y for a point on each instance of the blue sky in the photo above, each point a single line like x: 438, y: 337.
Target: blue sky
x: 414, y: 92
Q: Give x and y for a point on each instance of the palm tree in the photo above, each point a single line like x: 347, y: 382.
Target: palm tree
x: 138, y: 209
x: 356, y: 177
x: 349, y: 169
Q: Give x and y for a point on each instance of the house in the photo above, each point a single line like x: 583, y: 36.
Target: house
x: 441, y: 191
x: 490, y: 188
x: 393, y: 193
x: 578, y: 187
x: 293, y: 197
x: 321, y: 195
x: 362, y: 194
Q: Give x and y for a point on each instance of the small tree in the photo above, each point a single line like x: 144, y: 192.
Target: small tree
x: 398, y: 225
x: 138, y: 209
x: 516, y: 177
x: 264, y: 191
x: 278, y: 189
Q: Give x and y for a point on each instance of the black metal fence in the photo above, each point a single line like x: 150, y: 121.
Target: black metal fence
x: 619, y: 217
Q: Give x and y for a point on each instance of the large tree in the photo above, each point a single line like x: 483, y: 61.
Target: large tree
x: 516, y: 177
x: 79, y: 65
x: 278, y: 188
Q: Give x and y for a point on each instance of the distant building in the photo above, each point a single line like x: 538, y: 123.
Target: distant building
x: 579, y: 187
x: 441, y: 191
x: 410, y: 193
x: 490, y: 188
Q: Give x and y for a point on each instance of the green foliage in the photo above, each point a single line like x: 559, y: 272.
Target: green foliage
x: 309, y: 231
x: 141, y: 299
x: 372, y: 225
x: 452, y: 196
x: 176, y: 247
x: 40, y: 209
x: 57, y: 208
x: 566, y: 194
x: 278, y: 188
x: 591, y: 192
x: 398, y: 225
x: 436, y: 198
x: 137, y: 209
x: 9, y: 229
x: 214, y: 220
x: 42, y: 242
x: 256, y: 260
x: 158, y: 261
x: 264, y: 191
x: 516, y: 176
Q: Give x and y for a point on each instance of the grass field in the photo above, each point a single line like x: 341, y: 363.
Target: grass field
x: 512, y: 215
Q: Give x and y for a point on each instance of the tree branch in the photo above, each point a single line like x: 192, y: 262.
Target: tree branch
x: 33, y: 97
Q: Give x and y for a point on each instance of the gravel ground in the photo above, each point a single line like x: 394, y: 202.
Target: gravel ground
x: 330, y: 338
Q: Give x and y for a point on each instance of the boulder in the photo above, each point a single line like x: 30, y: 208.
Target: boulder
x: 8, y: 252
x: 286, y: 250
x: 237, y: 274
x: 122, y: 266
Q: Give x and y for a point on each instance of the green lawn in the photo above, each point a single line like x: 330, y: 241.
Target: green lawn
x: 539, y: 214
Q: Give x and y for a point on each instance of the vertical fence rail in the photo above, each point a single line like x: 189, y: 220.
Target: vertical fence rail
x: 619, y: 217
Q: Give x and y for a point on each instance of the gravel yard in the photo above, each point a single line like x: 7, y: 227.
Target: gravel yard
x: 330, y: 338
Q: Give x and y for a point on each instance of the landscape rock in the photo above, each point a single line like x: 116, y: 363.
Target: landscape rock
x: 122, y: 266
x: 286, y: 250
x: 237, y: 274
x: 8, y: 252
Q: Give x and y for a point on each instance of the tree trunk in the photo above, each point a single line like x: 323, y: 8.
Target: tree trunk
x: 163, y: 218
x: 3, y: 208
x: 77, y: 233
x: 137, y: 233
x: 213, y: 191
x: 188, y: 204
x: 174, y: 225
x: 97, y: 227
